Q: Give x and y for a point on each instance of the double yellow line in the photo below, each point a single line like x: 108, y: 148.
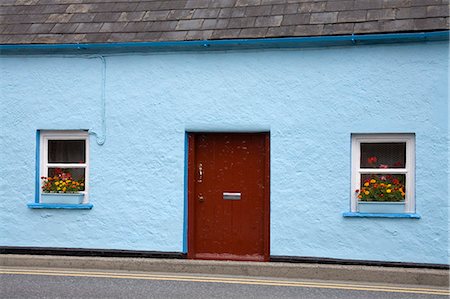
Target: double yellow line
x: 229, y: 280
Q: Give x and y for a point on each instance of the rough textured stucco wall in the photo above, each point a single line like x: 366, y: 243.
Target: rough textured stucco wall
x: 311, y: 100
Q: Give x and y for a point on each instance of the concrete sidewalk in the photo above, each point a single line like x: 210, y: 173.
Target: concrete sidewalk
x: 373, y: 274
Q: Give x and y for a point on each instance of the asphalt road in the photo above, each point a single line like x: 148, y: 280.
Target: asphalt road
x: 57, y: 283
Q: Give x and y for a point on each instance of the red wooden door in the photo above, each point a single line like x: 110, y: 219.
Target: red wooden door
x: 228, y: 193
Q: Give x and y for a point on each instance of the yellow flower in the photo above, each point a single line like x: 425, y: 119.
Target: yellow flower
x: 58, y: 189
x: 366, y: 193
x: 403, y: 194
x: 64, y: 189
x: 389, y: 185
x: 388, y: 190
x: 366, y: 184
x: 68, y: 181
x: 372, y: 181
x: 56, y: 183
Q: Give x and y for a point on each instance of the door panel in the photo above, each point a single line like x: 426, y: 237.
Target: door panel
x: 228, y: 196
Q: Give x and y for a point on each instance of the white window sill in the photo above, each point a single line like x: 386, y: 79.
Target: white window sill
x: 87, y: 206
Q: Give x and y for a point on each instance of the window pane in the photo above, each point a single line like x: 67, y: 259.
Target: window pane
x: 382, y: 187
x: 75, y: 174
x: 383, y: 155
x: 67, y: 151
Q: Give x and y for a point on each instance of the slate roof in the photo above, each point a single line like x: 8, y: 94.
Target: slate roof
x: 99, y: 21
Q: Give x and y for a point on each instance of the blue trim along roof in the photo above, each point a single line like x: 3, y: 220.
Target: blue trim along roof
x: 60, y: 206
x: 381, y: 215
x: 230, y: 44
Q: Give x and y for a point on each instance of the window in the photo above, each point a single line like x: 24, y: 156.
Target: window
x: 383, y: 173
x: 64, y: 167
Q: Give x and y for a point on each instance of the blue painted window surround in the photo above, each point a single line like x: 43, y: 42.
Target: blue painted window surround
x: 381, y: 215
x: 60, y: 206
x: 380, y: 145
x: 38, y: 172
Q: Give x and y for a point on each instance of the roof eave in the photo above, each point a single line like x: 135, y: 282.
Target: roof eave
x: 225, y: 44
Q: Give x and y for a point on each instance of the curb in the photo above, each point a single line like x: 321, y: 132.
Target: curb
x: 373, y: 274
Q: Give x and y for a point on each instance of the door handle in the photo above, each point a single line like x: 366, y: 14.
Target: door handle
x: 201, y: 198
x: 200, y: 173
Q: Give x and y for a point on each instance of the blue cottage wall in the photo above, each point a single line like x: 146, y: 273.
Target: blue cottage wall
x: 310, y: 100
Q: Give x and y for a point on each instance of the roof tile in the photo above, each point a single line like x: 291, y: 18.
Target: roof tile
x: 335, y: 29
x: 81, y: 17
x: 242, y: 22
x: 181, y: 14
x: 368, y: 4
x: 352, y: 16
x: 89, y: 27
x: 248, y: 2
x: 206, y: 13
x: 148, y: 36
x: 40, y: 28
x: 282, y: 31
x: 162, y: 26
x: 173, y: 35
x: 79, y: 8
x: 254, y: 11
x: 238, y: 12
x: 64, y: 28
x: 270, y: 21
x: 131, y: 16
x: 431, y: 24
x: 136, y: 27
x: 253, y: 32
x: 189, y: 24
x: 73, y: 21
x: 381, y: 14
x: 156, y: 15
x: 367, y: 27
x: 297, y: 19
x: 308, y: 30
x: 58, y: 18
x: 199, y: 34
x: 311, y: 7
x: 197, y: 3
x: 339, y: 5
x: 324, y: 17
x: 106, y: 17
x: 438, y: 11
x: 113, y: 27
x: 222, y: 3
x: 411, y: 12
x: 225, y: 33
x: 225, y: 12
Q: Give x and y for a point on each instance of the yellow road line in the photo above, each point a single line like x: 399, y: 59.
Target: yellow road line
x: 244, y: 281
x: 213, y: 278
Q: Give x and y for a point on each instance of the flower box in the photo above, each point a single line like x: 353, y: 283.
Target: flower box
x: 381, y: 207
x: 62, y: 198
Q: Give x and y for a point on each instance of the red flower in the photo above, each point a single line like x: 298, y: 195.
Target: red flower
x: 357, y: 190
x: 372, y: 160
x: 395, y: 181
x: 398, y: 164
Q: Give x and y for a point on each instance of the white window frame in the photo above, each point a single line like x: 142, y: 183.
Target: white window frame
x: 44, y: 164
x: 408, y: 171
